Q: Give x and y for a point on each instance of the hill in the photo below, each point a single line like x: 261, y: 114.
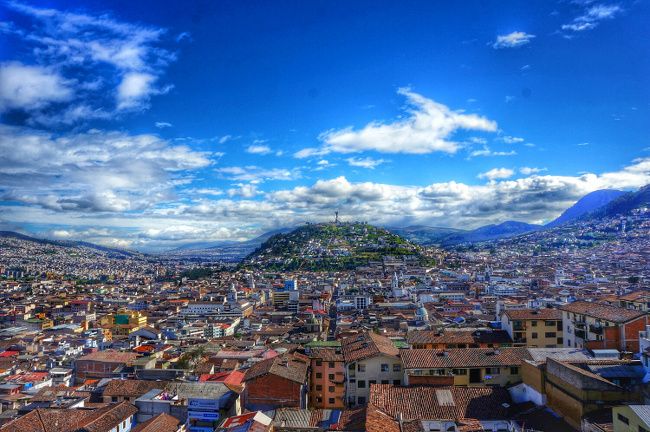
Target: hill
x: 328, y: 246
x: 585, y: 205
x: 109, y: 251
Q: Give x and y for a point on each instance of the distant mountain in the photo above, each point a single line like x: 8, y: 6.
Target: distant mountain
x: 253, y: 243
x: 424, y: 235
x: 69, y: 244
x: 491, y: 232
x: 625, y: 203
x: 585, y: 205
x: 330, y: 247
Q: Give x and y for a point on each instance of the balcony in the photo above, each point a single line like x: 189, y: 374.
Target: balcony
x: 580, y: 334
x: 596, y: 329
x: 580, y: 324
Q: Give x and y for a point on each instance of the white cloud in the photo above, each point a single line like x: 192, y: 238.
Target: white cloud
x: 592, y: 17
x: 260, y: 149
x: 512, y: 40
x: 93, y: 171
x: 531, y: 170
x: 97, y: 50
x: 162, y: 125
x: 497, y: 174
x: 31, y: 87
x: 244, y: 190
x: 530, y: 199
x: 487, y: 152
x: 257, y: 174
x: 426, y: 129
x: 366, y: 162
x: 511, y: 139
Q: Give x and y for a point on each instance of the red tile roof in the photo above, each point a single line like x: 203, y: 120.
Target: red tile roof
x: 463, y: 357
x: 604, y: 312
x: 366, y: 345
x: 431, y: 403
x: 534, y: 314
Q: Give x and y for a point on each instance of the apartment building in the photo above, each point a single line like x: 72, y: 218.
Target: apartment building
x: 534, y: 328
x: 600, y: 326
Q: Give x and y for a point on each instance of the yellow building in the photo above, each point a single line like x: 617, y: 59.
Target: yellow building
x: 631, y: 418
x: 124, y: 323
x: 534, y: 328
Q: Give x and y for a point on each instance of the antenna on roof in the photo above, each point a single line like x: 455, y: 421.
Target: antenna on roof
x: 336, y: 217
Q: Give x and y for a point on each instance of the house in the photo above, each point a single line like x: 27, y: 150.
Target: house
x: 160, y: 423
x: 631, y: 418
x: 535, y: 328
x: 459, y: 338
x: 600, y: 326
x: 103, y: 364
x: 463, y: 367
x: 112, y: 418
x: 276, y: 383
x: 327, y: 378
x: 255, y: 421
x: 574, y: 392
x: 128, y: 390
x: 424, y: 408
x: 369, y: 359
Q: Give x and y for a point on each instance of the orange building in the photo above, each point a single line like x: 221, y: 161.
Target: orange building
x: 327, y: 382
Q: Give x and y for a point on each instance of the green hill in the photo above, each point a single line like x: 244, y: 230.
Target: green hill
x: 331, y: 247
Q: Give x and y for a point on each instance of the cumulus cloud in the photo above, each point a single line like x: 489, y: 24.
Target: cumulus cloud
x: 98, y: 51
x: 31, y: 87
x: 427, y: 128
x: 533, y: 198
x: 162, y: 125
x: 90, y: 172
x: 366, y: 162
x: 512, y: 40
x: 497, y: 174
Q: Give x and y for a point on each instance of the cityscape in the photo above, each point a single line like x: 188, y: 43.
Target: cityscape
x: 324, y: 216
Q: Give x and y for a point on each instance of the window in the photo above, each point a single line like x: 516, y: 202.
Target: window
x: 534, y: 336
x: 319, y: 387
x: 114, y: 399
x: 319, y: 399
x: 361, y: 400
x: 623, y: 419
x: 361, y: 368
x: 384, y: 367
x: 550, y: 334
x: 331, y: 365
x: 533, y: 323
x: 331, y: 401
x: 319, y: 362
x: 549, y: 323
x: 492, y: 371
x: 397, y: 382
x: 361, y: 384
x: 514, y: 370
x: 459, y: 371
x: 397, y: 368
x: 385, y: 382
x: 319, y: 375
x: 331, y: 389
x: 330, y: 377
x: 371, y: 382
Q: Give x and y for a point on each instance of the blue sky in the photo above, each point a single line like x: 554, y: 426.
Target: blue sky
x: 147, y: 125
